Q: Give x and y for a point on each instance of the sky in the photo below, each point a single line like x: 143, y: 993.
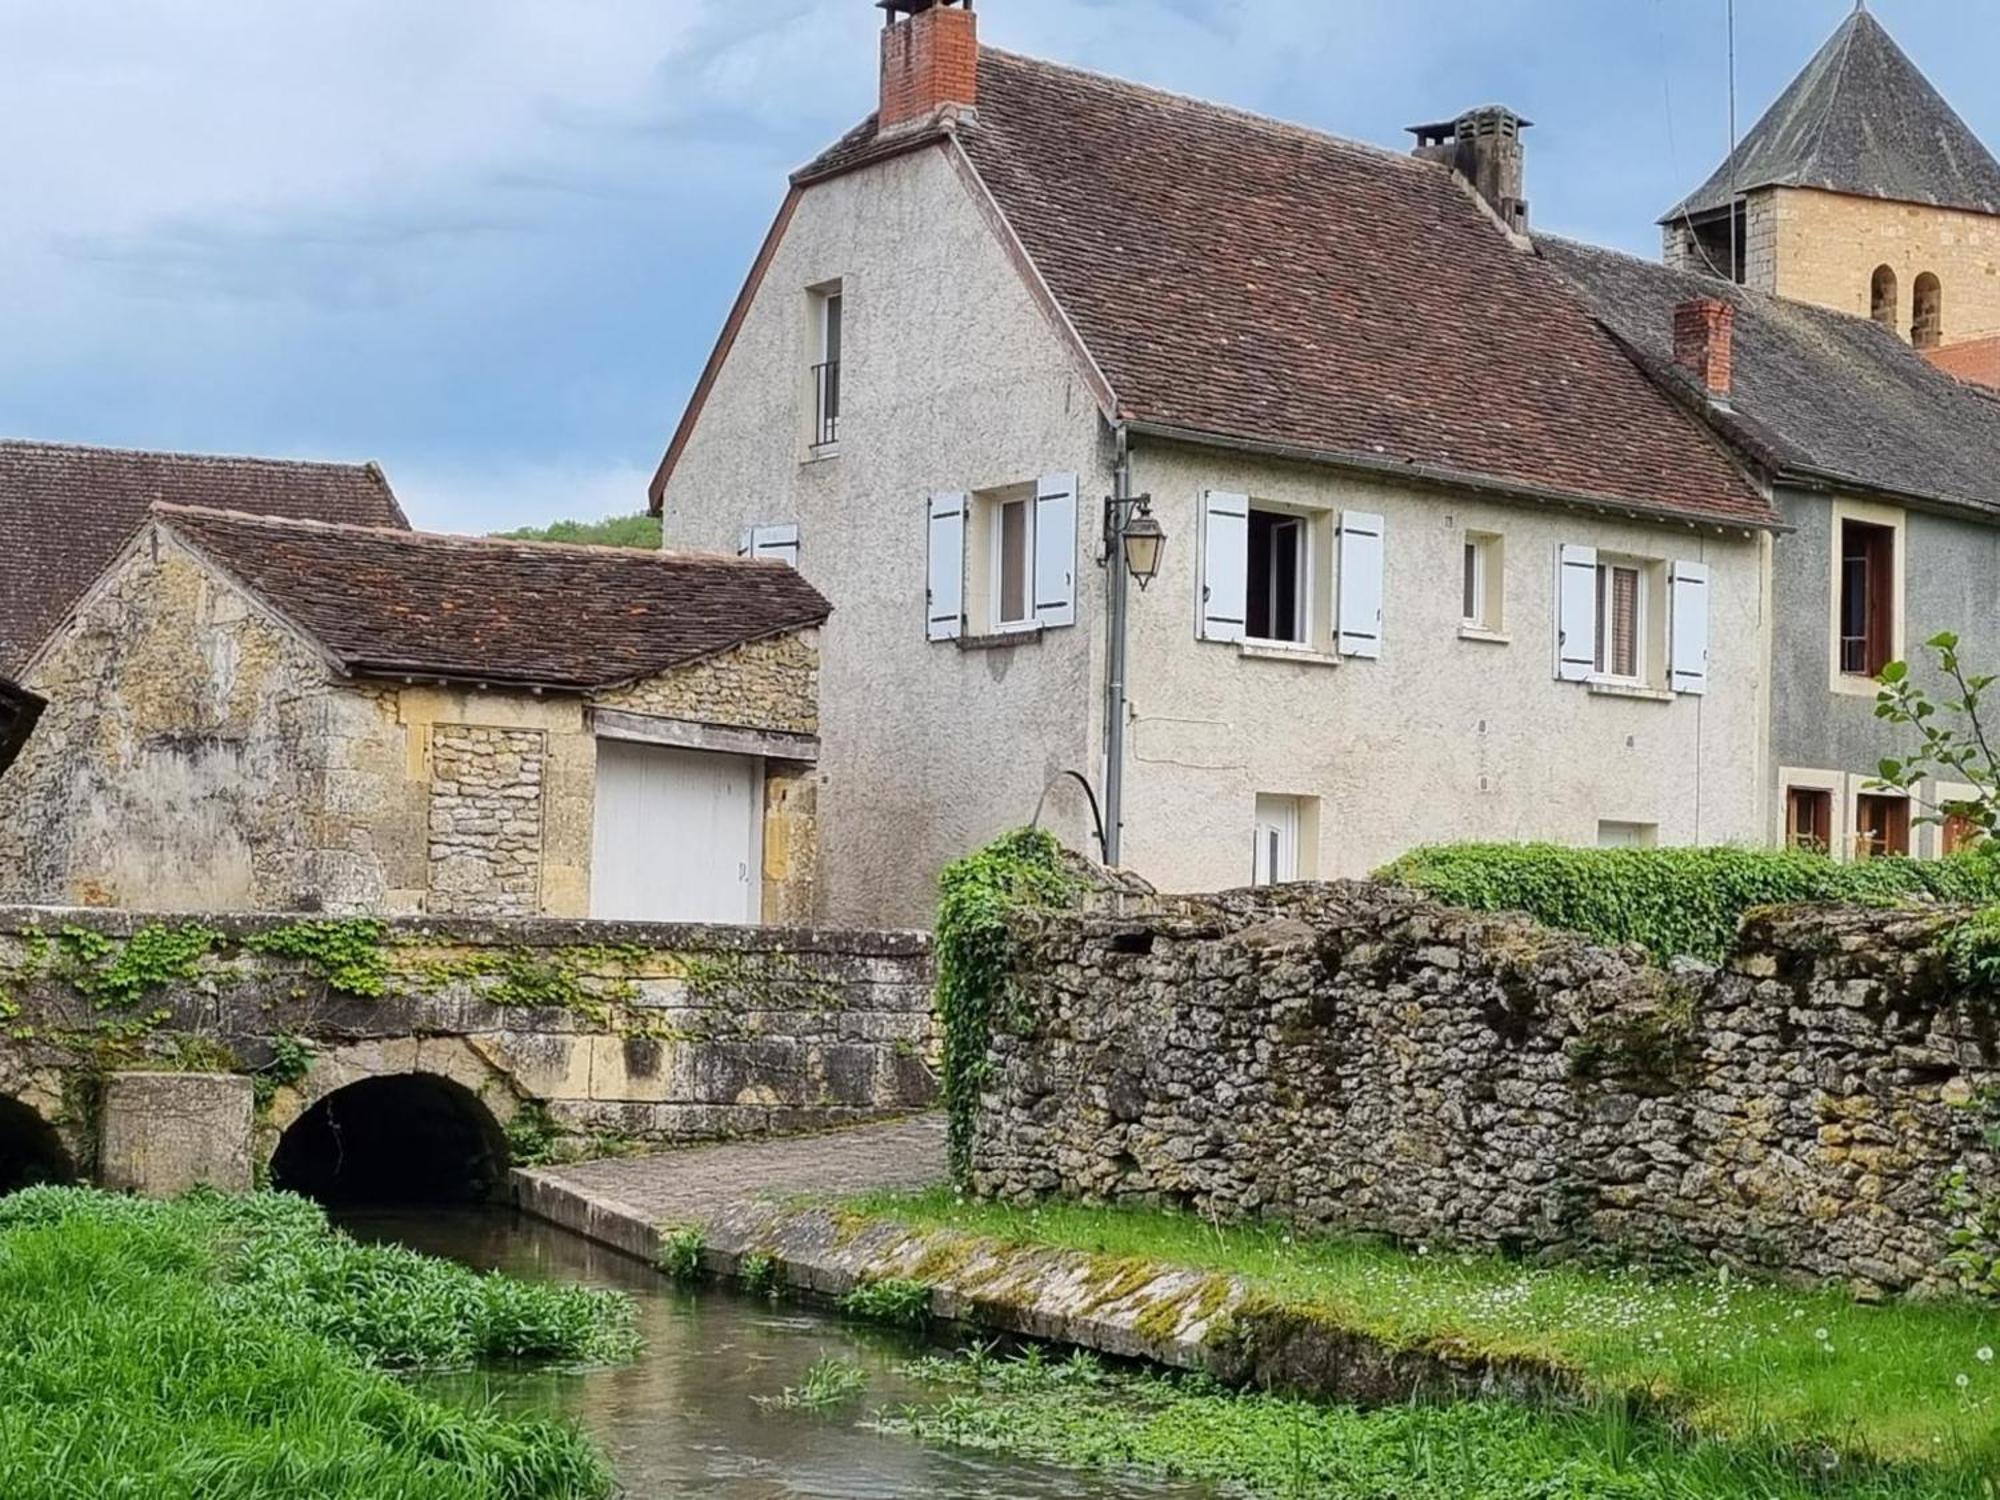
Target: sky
x: 489, y: 243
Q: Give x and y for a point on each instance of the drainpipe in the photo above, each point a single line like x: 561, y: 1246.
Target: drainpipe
x: 1114, y: 684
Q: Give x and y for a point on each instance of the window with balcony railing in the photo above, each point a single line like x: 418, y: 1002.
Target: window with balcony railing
x: 826, y: 369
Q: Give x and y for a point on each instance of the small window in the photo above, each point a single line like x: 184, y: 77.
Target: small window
x: 1013, y: 552
x: 1622, y: 835
x: 1867, y: 598
x: 1809, y: 818
x: 1283, y: 840
x: 1621, y: 621
x: 1480, y: 581
x: 1276, y: 593
x: 827, y: 321
x: 1882, y: 297
x: 1881, y: 826
x: 1927, y: 312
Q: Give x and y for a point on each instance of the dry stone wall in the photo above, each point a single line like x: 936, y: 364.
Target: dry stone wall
x: 1352, y: 1057
x: 486, y: 820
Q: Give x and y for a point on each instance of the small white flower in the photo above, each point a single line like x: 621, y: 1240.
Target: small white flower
x: 1986, y: 1354
x: 1821, y: 1334
x: 1964, y: 1381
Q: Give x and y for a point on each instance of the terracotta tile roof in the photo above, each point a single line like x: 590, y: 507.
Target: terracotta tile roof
x: 1815, y: 392
x: 385, y: 602
x: 1240, y: 277
x: 1976, y: 361
x: 65, y: 511
x: 19, y: 709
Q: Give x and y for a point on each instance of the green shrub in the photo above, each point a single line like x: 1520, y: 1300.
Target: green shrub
x: 976, y: 894
x: 759, y: 1274
x: 829, y: 1383
x: 680, y: 1253
x: 1675, y: 902
x: 890, y: 1299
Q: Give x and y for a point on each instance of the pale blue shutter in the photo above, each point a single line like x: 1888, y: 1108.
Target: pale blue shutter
x: 1055, y: 550
x: 1225, y: 566
x: 944, y: 593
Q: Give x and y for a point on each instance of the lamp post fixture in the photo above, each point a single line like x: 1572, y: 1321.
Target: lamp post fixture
x: 1133, y: 543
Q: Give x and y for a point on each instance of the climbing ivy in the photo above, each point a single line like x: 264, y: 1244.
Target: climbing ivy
x: 114, y: 975
x: 976, y: 896
x: 291, y: 1058
x: 347, y: 952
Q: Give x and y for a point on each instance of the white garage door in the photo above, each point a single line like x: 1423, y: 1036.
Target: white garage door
x: 679, y: 835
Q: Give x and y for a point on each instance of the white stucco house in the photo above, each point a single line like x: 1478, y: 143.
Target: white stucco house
x: 1441, y: 561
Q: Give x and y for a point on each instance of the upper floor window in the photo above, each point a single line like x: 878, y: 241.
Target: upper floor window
x: 1002, y: 561
x: 826, y: 319
x: 1867, y: 598
x: 1285, y: 576
x: 1630, y: 622
x: 1927, y: 317
x: 1621, y: 621
x: 1481, y: 573
x: 1277, y: 580
x: 1882, y: 297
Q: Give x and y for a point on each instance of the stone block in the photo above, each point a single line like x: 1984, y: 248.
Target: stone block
x: 163, y: 1133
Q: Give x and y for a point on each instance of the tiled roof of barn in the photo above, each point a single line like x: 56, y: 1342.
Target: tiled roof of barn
x: 1861, y: 119
x: 66, y: 510
x: 1242, y: 278
x: 1813, y: 390
x: 384, y: 602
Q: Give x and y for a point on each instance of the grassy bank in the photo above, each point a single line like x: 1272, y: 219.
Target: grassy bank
x: 236, y: 1349
x: 1078, y: 1414
x: 1907, y: 1382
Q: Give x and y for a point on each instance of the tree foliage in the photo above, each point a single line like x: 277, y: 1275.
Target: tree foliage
x: 639, y: 531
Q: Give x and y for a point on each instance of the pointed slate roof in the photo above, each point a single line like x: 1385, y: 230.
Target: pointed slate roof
x: 1860, y: 119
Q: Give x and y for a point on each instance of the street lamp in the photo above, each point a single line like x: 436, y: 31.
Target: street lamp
x: 1130, y: 528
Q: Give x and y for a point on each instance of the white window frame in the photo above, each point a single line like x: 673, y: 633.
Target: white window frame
x: 1284, y: 836
x: 1641, y: 607
x: 995, y: 530
x: 1486, y: 551
x: 825, y: 297
x: 1307, y: 578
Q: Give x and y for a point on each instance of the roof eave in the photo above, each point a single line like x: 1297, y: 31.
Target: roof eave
x: 1433, y: 476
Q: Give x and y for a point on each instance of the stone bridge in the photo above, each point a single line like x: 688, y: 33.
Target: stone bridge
x: 419, y: 1059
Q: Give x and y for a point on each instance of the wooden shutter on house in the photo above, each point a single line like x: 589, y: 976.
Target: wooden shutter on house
x: 1225, y: 565
x: 1576, y: 612
x: 944, y: 593
x: 1361, y: 558
x: 1688, y: 628
x: 1055, y: 550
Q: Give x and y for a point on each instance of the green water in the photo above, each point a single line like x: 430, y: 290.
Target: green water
x: 683, y: 1419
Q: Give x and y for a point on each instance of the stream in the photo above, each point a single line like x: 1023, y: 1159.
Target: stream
x: 682, y: 1420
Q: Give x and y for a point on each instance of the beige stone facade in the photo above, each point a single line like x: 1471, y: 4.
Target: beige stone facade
x: 200, y: 755
x: 1825, y: 248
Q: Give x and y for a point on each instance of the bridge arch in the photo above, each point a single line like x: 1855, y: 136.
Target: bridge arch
x: 31, y: 1150
x: 423, y: 1122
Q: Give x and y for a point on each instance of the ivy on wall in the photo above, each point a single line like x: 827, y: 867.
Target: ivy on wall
x: 1676, y: 902
x: 976, y: 895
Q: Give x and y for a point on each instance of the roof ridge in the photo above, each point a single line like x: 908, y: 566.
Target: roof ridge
x: 364, y: 465
x: 1251, y: 117
x: 452, y: 539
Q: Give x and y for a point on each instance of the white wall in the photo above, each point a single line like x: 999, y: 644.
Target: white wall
x: 1441, y: 738
x: 952, y: 380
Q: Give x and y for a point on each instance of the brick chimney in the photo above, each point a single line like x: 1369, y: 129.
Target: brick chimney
x: 1484, y: 147
x: 930, y: 60
x: 1705, y: 342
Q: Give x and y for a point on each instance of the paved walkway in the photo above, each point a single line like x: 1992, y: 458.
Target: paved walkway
x: 616, y: 1201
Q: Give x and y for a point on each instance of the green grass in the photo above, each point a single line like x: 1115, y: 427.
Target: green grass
x: 1078, y: 1414
x: 828, y: 1383
x: 1732, y: 1358
x: 231, y: 1349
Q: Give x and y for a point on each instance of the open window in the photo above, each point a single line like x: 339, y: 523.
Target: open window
x: 1809, y: 818
x: 1277, y: 579
x: 1881, y: 825
x: 1882, y: 297
x: 828, y: 310
x: 1867, y: 605
x: 1927, y: 312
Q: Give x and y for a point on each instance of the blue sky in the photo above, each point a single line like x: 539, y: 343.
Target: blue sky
x: 489, y: 242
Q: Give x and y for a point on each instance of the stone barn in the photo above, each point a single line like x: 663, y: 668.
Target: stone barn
x: 262, y: 714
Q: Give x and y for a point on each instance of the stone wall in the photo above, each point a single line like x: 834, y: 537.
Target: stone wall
x: 769, y: 684
x: 486, y: 821
x: 1352, y: 1057
x: 616, y: 1032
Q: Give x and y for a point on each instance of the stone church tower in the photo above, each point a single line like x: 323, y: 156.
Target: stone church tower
x: 1860, y: 190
